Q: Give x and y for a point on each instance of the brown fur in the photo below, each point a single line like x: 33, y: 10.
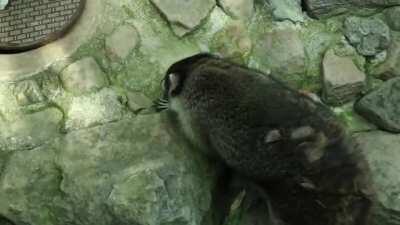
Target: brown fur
x: 313, y: 171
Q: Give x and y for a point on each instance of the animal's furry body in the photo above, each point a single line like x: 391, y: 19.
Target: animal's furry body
x: 288, y: 142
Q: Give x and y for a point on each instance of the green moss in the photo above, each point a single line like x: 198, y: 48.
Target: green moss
x: 372, y: 84
x: 352, y: 121
x: 317, y: 38
x: 94, y: 48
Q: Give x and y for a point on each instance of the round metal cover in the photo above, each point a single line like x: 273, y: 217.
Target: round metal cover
x: 29, y: 24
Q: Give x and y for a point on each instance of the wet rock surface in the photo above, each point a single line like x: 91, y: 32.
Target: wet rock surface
x: 382, y: 106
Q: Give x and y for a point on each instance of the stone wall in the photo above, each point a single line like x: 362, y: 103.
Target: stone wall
x: 72, y: 152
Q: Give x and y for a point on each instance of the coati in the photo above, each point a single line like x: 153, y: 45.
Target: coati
x: 290, y: 144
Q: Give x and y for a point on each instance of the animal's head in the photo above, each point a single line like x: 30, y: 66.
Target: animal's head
x: 175, y: 77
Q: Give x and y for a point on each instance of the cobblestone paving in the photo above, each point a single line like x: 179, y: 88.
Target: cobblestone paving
x: 29, y: 22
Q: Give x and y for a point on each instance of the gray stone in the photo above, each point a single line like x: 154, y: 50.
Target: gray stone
x: 238, y: 9
x: 287, y: 10
x: 136, y: 100
x: 282, y: 52
x: 122, y: 42
x: 342, y: 80
x: 30, y: 131
x: 30, y: 186
x: 50, y: 85
x: 369, y: 36
x: 382, y: 152
x: 381, y: 107
x: 27, y: 93
x: 324, y: 8
x: 233, y: 41
x: 184, y: 16
x: 83, y: 76
x: 392, y: 16
x: 3, y: 4
x: 8, y: 103
x: 94, y: 109
x: 391, y: 67
x: 128, y: 172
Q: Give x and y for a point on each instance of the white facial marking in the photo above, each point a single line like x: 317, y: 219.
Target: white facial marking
x: 314, y: 151
x: 273, y: 136
x: 173, y: 82
x: 302, y: 132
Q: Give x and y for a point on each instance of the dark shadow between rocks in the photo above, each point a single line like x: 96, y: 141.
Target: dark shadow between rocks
x: 5, y: 221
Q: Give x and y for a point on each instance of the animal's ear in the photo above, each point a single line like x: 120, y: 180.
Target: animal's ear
x: 173, y: 82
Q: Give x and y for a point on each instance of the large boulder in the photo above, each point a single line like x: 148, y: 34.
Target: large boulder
x: 323, y: 8
x: 30, y: 131
x: 381, y: 107
x: 369, y: 36
x: 382, y: 152
x: 128, y: 172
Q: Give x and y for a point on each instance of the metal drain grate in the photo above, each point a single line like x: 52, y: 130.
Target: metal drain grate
x: 28, y: 24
